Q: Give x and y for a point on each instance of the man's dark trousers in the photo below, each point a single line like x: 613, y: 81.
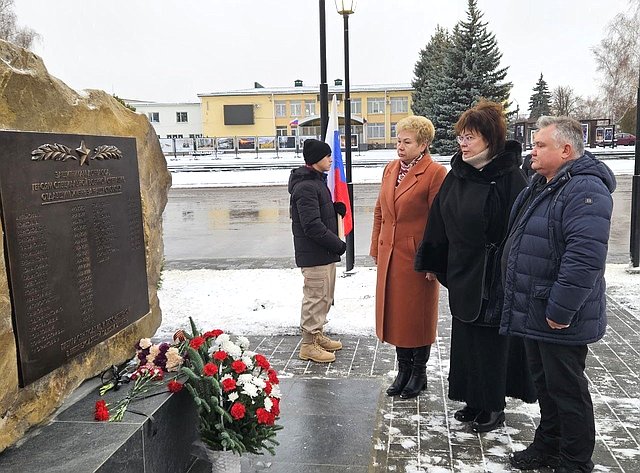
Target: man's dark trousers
x: 567, y: 427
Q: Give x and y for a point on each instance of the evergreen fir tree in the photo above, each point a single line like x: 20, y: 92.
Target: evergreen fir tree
x: 428, y: 71
x: 471, y: 72
x: 540, y: 101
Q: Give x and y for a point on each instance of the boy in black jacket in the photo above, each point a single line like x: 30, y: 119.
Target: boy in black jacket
x: 317, y: 248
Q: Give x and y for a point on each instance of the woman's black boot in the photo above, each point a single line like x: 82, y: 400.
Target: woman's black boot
x: 405, y: 360
x: 418, y: 380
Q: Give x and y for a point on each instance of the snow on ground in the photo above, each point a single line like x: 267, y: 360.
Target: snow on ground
x: 272, y: 177
x: 267, y: 301
x: 260, y: 301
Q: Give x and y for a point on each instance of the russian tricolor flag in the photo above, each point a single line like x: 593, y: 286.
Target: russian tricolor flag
x: 336, y: 180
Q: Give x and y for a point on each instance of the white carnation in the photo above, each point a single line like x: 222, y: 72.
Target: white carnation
x: 244, y: 379
x: 232, y: 349
x: 223, y: 338
x: 268, y: 404
x: 275, y: 391
x: 233, y: 396
x: 247, y: 361
x: 250, y: 390
x: 144, y: 343
x: 243, y: 342
x: 259, y: 382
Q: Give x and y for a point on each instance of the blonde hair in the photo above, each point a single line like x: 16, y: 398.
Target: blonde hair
x: 421, y: 126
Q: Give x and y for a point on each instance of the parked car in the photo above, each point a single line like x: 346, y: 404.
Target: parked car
x: 625, y: 139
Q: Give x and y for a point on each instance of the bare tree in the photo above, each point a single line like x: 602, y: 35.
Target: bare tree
x: 9, y: 29
x: 589, y: 108
x: 618, y: 59
x: 563, y: 101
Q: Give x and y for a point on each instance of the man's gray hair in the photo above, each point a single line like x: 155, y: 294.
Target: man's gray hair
x: 567, y: 130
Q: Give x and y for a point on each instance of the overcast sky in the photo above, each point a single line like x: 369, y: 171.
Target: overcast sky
x: 171, y: 50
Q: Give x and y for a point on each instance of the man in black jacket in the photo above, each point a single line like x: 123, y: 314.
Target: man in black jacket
x: 317, y: 248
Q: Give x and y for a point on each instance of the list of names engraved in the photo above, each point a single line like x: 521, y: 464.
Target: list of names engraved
x: 42, y: 305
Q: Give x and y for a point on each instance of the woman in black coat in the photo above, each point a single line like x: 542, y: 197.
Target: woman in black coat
x: 462, y: 245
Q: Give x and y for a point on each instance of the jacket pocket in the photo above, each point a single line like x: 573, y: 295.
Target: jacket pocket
x: 536, y: 318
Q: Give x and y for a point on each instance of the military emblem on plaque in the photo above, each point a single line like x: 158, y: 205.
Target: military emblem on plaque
x: 74, y: 243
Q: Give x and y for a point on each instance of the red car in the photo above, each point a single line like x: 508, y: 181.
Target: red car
x: 625, y: 139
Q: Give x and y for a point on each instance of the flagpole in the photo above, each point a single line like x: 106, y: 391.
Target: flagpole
x: 350, y: 258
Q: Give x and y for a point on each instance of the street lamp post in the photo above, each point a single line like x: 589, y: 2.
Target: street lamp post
x: 324, y: 88
x: 635, y: 193
x: 346, y: 8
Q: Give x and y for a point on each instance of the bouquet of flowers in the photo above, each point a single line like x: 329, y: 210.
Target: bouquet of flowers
x: 235, y: 390
x: 147, y: 372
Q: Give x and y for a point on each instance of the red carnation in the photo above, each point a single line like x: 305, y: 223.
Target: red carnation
x: 238, y: 410
x: 265, y: 417
x: 273, y: 376
x: 262, y: 362
x: 228, y: 384
x: 213, y: 334
x: 210, y: 369
x: 102, y: 412
x: 238, y: 366
x: 196, y: 342
x: 174, y: 386
x: 220, y: 355
x: 267, y: 387
x: 275, y: 409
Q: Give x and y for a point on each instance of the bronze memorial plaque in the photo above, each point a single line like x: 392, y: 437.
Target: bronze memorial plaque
x: 74, y: 243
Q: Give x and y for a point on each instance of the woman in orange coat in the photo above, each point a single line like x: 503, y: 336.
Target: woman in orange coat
x: 406, y: 301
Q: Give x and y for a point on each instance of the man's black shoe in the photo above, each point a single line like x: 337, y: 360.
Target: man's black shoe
x: 567, y: 469
x: 532, y: 459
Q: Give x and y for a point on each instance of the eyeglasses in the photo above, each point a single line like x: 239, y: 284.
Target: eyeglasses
x: 467, y: 138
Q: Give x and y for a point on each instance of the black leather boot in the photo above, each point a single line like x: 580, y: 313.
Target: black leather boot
x: 418, y: 380
x: 488, y: 421
x: 405, y: 360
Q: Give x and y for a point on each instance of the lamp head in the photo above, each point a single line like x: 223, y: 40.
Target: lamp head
x: 345, y: 7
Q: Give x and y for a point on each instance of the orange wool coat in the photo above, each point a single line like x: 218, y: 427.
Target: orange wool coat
x: 406, y: 302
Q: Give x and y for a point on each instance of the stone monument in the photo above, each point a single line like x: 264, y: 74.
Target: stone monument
x: 32, y: 100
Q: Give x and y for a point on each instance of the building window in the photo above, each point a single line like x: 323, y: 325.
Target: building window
x: 375, y: 105
x: 197, y: 135
x: 296, y: 109
x: 356, y: 106
x: 154, y: 117
x: 175, y: 136
x: 181, y: 117
x: 281, y: 109
x: 309, y: 108
x: 399, y: 104
x: 375, y: 130
x: 281, y: 131
x: 394, y: 134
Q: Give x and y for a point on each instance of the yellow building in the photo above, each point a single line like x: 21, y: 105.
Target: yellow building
x: 278, y: 111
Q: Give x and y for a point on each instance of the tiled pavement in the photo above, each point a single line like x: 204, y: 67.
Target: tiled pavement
x: 420, y: 435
